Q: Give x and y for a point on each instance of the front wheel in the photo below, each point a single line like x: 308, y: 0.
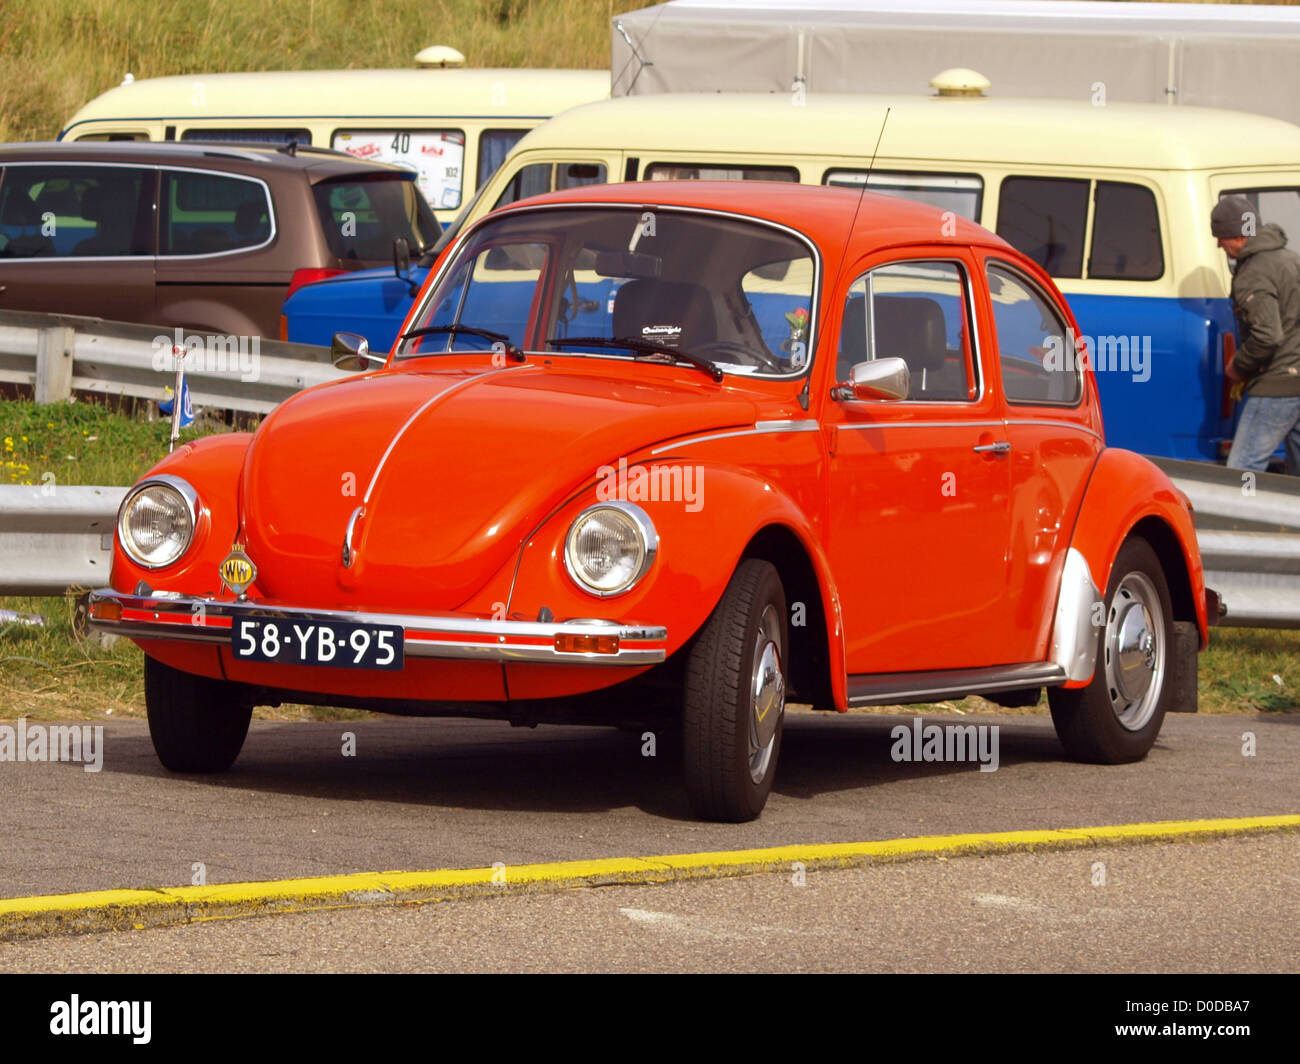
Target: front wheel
x: 734, y: 702
x: 197, y: 724
x: 1117, y: 717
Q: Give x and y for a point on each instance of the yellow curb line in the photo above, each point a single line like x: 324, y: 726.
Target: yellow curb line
x: 120, y: 910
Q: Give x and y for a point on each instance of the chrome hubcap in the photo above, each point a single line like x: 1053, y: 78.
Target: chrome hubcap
x: 767, y: 694
x: 1135, y: 651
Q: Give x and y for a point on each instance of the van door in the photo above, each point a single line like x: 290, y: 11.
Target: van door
x: 78, y: 239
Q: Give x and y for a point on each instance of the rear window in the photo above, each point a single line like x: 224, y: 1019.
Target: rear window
x: 207, y: 214
x: 718, y: 172
x: 435, y: 156
x: 362, y: 218
x: 1045, y: 218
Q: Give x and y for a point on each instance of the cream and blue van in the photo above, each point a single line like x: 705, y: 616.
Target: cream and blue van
x: 453, y: 127
x: 1113, y: 200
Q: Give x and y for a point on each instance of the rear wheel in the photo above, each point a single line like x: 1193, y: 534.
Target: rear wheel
x: 1117, y: 717
x: 734, y: 704
x: 197, y: 724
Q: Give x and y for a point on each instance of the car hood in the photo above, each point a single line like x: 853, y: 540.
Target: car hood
x: 451, y: 468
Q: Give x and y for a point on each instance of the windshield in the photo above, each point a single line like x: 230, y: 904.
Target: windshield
x: 627, y: 282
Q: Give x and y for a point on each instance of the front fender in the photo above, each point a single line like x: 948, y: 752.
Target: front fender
x: 701, y: 541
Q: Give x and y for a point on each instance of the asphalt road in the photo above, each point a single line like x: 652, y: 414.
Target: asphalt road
x: 424, y: 794
x: 1227, y: 905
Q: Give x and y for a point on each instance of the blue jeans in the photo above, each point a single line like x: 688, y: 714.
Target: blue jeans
x: 1264, y: 423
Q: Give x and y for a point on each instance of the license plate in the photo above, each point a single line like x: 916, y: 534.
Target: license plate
x: 337, y: 644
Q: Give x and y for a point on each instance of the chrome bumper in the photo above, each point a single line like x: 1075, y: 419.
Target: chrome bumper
x: 204, y: 620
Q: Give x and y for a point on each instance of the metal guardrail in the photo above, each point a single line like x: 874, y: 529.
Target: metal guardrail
x: 57, y: 354
x: 56, y: 537
x: 1248, y: 529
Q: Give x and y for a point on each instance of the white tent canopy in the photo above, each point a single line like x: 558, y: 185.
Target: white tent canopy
x: 1243, y: 57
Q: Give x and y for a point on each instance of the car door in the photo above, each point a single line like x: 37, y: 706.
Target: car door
x: 78, y: 239
x: 1055, y: 434
x: 918, y: 518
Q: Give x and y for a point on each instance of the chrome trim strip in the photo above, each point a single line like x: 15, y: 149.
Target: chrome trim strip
x: 1055, y: 424
x: 845, y: 425
x: 1074, y: 632
x: 902, y: 687
x: 412, y: 624
x: 760, y: 428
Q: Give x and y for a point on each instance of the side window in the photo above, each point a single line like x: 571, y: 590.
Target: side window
x: 1278, y: 205
x: 493, y: 147
x: 1125, y: 234
x: 71, y: 211
x: 959, y: 193
x: 436, y: 155
x: 716, y: 172
x: 249, y: 136
x: 916, y: 311
x: 1036, y: 350
x: 536, y: 178
x: 1044, y: 217
x: 205, y: 214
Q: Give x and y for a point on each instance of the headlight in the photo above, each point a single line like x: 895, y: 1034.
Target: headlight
x: 610, y: 547
x: 156, y: 522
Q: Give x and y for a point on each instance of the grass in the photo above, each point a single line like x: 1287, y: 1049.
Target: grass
x: 58, y: 54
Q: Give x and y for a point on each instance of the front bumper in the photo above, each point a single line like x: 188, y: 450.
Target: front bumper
x: 194, y: 619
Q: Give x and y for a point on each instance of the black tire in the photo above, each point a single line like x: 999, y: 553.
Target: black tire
x: 746, y: 633
x: 1116, y: 718
x: 197, y: 724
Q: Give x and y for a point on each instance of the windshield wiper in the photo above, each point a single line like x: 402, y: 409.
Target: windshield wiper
x: 645, y: 347
x: 487, y: 334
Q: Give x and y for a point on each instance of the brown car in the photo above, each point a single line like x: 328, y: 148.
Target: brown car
x: 205, y: 236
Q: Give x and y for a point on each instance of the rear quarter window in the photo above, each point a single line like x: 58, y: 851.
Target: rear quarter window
x: 208, y: 214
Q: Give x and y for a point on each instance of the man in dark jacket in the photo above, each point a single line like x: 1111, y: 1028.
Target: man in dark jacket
x: 1266, y: 303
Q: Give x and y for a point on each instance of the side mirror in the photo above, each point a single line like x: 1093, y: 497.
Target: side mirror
x: 401, y: 256
x: 352, y: 352
x: 886, y: 379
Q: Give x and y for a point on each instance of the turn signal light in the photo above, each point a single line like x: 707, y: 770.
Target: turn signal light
x: 587, y: 644
x: 106, y: 611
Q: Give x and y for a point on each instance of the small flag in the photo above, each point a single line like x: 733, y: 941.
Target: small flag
x: 187, y: 407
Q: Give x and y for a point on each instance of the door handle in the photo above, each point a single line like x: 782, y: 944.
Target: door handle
x: 1001, y: 447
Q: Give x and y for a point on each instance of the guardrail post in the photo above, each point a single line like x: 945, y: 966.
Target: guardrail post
x: 54, y: 363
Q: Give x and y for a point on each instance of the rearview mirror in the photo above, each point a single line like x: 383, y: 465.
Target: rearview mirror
x: 631, y: 264
x: 881, y: 379
x: 352, y: 352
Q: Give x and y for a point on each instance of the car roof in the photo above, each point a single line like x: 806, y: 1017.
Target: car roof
x: 973, y: 129
x: 241, y: 158
x: 353, y: 97
x: 824, y: 213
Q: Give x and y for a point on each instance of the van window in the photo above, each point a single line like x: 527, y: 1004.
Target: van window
x: 493, y: 147
x: 205, y: 214
x: 1044, y: 217
x: 252, y: 136
x: 1035, y: 349
x: 714, y: 172
x: 436, y: 155
x: 960, y: 193
x: 362, y: 218
x: 54, y: 211
x: 916, y: 311
x: 141, y: 135
x: 1278, y: 205
x: 536, y: 178
x: 1125, y: 234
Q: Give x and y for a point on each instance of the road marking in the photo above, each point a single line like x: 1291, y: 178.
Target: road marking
x: 124, y: 910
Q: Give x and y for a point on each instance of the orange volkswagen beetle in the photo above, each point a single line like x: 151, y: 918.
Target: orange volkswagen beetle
x: 693, y: 449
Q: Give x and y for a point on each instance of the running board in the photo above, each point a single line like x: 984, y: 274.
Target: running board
x: 889, y: 688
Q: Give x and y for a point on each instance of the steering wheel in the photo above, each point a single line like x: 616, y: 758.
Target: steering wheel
x: 750, y: 355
